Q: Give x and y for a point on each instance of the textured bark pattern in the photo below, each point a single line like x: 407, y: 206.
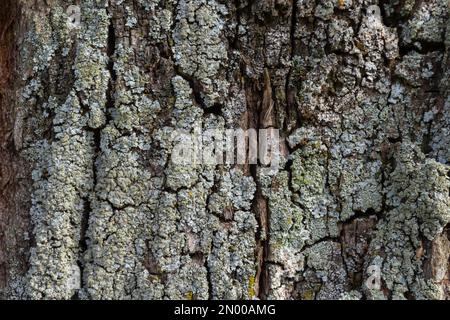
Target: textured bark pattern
x: 14, y: 170
x: 93, y: 208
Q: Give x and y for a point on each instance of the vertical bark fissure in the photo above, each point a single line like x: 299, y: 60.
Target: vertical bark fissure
x: 97, y: 139
x: 262, y: 276
x: 259, y: 205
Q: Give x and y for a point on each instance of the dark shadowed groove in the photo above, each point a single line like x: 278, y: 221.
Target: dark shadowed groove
x: 14, y: 197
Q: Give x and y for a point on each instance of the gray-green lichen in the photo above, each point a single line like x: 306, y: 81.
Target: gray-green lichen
x: 361, y: 97
x: 338, y: 176
x: 199, y: 49
x: 63, y: 178
x: 417, y: 191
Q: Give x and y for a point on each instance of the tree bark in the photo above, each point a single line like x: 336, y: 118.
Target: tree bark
x: 92, y: 207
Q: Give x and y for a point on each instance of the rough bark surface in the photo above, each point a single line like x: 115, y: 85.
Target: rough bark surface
x: 92, y: 207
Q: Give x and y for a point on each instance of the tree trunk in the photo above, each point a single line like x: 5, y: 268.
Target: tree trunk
x: 93, y: 207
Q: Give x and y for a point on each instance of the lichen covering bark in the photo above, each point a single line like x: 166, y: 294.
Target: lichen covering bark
x: 359, y: 89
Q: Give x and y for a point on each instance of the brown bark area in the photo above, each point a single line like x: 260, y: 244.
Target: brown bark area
x: 14, y: 172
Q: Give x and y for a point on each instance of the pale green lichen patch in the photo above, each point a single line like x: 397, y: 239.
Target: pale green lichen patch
x: 63, y: 180
x: 418, y: 193
x: 63, y: 175
x: 427, y: 24
x: 199, y: 49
